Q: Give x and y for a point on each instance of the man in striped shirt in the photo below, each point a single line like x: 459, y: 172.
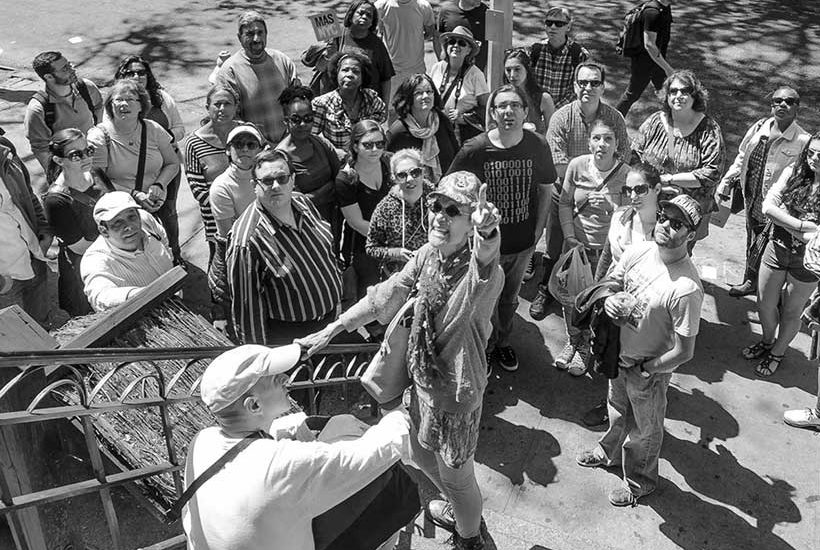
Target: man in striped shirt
x: 282, y: 275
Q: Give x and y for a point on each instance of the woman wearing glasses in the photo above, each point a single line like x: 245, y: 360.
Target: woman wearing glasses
x: 590, y: 194
x: 69, y: 205
x: 360, y: 185
x: 684, y: 144
x: 398, y: 226
x: 164, y: 112
x: 518, y: 72
x: 314, y: 158
x: 422, y: 125
x: 455, y: 286
x: 461, y: 85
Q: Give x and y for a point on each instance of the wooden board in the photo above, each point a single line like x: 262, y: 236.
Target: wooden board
x: 19, y: 332
x: 122, y: 317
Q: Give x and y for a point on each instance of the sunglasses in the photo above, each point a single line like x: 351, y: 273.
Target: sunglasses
x: 137, y: 73
x: 269, y: 182
x: 790, y: 101
x: 457, y: 41
x: 674, y: 223
x: 79, y: 154
x: 452, y: 211
x: 297, y: 120
x: 553, y: 23
x: 639, y: 190
x: 413, y: 173
x: 590, y: 83
x: 686, y: 90
x: 372, y: 145
x: 249, y: 144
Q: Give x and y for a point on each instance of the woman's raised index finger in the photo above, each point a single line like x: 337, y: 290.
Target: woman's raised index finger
x: 482, y: 195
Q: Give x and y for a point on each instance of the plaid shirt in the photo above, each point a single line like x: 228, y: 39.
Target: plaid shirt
x: 332, y: 121
x: 554, y: 70
x: 568, y: 133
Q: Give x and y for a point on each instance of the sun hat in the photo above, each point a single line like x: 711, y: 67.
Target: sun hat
x: 463, y: 33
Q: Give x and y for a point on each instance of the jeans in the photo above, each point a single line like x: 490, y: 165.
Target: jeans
x: 553, y: 238
x: 513, y: 266
x: 643, y: 70
x: 31, y: 295
x: 637, y: 407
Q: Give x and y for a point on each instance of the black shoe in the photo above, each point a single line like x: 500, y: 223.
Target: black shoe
x: 507, y: 359
x: 542, y: 300
x: 472, y: 543
x: 745, y: 289
x: 596, y: 416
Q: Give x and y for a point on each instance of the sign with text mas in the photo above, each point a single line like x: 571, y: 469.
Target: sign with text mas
x: 326, y: 25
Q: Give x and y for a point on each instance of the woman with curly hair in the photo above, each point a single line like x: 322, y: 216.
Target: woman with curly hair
x: 784, y: 285
x: 518, y: 72
x: 684, y: 143
x: 422, y: 125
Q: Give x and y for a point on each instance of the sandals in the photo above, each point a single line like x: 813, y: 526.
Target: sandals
x: 769, y: 365
x: 756, y: 350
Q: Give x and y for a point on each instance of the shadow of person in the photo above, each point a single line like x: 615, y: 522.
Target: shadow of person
x: 702, y: 412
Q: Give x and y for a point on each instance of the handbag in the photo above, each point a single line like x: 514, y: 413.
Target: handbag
x: 386, y: 377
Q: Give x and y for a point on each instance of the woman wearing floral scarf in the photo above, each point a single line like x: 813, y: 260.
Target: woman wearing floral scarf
x: 422, y: 125
x: 456, y: 280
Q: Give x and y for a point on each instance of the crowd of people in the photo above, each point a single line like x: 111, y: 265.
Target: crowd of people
x: 328, y: 207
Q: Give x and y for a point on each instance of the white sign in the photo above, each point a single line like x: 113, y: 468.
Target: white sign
x: 326, y: 25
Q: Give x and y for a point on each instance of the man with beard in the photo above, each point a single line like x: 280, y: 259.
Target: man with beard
x: 659, y: 315
x: 67, y: 102
x: 258, y: 76
x: 518, y: 170
x: 769, y: 146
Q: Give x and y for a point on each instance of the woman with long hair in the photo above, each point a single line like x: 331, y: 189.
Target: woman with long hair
x: 784, y: 284
x: 518, y: 72
x: 422, y: 125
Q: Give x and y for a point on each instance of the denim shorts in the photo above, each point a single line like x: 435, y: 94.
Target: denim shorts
x: 781, y: 258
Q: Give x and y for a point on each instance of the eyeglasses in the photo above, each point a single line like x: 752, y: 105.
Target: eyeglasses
x: 790, y: 101
x: 249, y: 144
x: 514, y: 105
x: 674, y: 223
x: 451, y: 210
x: 553, y: 23
x: 413, y: 173
x: 457, y: 41
x: 79, y: 154
x: 297, y: 120
x: 639, y: 190
x: 135, y: 73
x: 590, y: 83
x: 372, y: 145
x: 284, y: 179
x: 686, y: 90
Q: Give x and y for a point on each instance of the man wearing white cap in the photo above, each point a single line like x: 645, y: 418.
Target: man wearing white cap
x: 130, y: 253
x: 659, y: 314
x: 276, y: 492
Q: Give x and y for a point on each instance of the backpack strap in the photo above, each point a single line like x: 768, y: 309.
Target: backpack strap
x: 141, y: 158
x: 575, y: 53
x: 48, y: 109
x: 535, y: 52
x: 82, y: 88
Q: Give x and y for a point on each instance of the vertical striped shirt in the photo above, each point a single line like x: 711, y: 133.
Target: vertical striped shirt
x: 276, y: 272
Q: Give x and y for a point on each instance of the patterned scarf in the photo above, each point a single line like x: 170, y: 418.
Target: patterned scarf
x: 429, y: 146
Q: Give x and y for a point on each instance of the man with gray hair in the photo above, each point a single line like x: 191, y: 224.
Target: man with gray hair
x: 275, y: 484
x: 258, y: 76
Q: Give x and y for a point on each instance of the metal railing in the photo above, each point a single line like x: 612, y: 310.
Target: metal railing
x: 83, y: 400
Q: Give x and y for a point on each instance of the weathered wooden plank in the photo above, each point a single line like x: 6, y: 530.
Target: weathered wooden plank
x: 19, y: 332
x: 170, y: 544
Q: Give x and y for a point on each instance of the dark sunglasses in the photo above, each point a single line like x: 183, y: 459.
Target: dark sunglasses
x: 639, y: 190
x: 590, y: 83
x: 297, y: 120
x: 413, y: 173
x: 249, y: 144
x: 372, y: 145
x: 79, y: 154
x: 686, y: 90
x: 461, y: 43
x: 131, y: 74
x: 790, y: 101
x: 452, y: 211
x: 674, y: 223
x: 268, y: 182
x: 553, y: 23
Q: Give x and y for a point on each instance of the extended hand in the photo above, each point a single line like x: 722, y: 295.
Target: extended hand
x: 485, y: 217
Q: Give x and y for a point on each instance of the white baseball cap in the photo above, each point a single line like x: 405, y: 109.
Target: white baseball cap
x: 111, y: 204
x: 236, y: 371
x: 245, y: 129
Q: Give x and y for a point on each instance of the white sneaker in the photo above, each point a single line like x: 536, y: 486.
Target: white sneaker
x: 530, y: 271
x: 802, y: 418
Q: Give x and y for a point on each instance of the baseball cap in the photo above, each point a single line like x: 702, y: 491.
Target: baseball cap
x: 245, y: 129
x: 111, y: 204
x: 687, y: 206
x: 236, y: 371
x: 461, y: 187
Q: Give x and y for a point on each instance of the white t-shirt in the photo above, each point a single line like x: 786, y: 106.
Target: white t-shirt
x: 267, y: 497
x: 473, y: 85
x: 669, y: 299
x: 402, y: 24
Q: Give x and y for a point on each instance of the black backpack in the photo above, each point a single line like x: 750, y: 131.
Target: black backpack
x: 630, y: 39
x: 48, y: 107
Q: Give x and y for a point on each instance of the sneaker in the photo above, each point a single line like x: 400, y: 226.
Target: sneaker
x: 590, y: 459
x: 491, y: 359
x: 564, y: 358
x: 802, y: 418
x: 746, y: 288
x: 472, y: 543
x: 440, y: 513
x: 622, y: 497
x: 579, y: 364
x: 530, y: 271
x: 538, y: 307
x: 596, y: 416
x: 507, y: 358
